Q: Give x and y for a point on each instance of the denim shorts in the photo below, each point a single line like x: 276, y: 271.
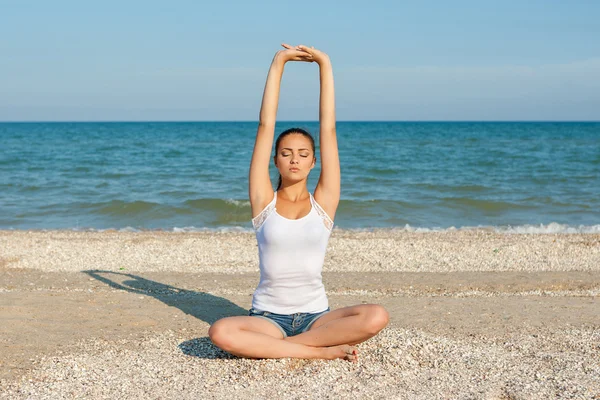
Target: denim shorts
x: 289, y: 324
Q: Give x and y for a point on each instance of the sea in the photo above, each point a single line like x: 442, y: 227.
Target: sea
x: 513, y: 177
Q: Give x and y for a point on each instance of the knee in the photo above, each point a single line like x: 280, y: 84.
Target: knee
x: 220, y: 335
x: 377, y: 318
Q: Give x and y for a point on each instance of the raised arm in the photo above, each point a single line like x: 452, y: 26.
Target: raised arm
x: 327, y: 192
x: 260, y: 188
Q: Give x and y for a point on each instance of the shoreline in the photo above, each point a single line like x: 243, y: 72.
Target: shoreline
x: 523, y: 229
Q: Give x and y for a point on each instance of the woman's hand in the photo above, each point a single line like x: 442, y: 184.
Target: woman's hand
x: 293, y: 54
x: 316, y: 55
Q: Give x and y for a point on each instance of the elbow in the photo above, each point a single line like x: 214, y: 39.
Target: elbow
x: 266, y: 124
x: 327, y: 130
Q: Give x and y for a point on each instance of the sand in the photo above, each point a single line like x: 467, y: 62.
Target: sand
x: 474, y: 314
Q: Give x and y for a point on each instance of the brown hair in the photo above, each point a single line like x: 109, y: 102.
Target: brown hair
x: 298, y: 131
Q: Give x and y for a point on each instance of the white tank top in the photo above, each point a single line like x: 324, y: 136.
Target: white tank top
x: 291, y: 254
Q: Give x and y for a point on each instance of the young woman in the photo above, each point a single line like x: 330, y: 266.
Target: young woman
x: 290, y: 316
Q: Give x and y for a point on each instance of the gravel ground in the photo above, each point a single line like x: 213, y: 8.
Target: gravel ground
x: 383, y: 250
x: 475, y: 315
x: 395, y: 364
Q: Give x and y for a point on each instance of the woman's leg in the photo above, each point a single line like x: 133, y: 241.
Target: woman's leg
x: 349, y: 325
x: 254, y: 337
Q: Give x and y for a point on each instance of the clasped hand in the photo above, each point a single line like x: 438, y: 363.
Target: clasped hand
x: 302, y: 53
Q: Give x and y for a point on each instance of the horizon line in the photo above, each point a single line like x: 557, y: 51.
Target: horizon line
x: 292, y: 120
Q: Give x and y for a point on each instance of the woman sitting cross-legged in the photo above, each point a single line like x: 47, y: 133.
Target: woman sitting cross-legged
x: 290, y: 316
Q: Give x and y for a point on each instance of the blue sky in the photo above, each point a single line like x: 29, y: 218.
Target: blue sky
x: 393, y: 60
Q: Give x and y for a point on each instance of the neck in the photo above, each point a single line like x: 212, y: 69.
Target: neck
x: 293, y: 192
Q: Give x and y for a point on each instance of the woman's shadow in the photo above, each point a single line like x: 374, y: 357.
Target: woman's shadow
x: 201, y: 305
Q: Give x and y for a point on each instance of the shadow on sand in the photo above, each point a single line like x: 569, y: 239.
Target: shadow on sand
x: 201, y: 305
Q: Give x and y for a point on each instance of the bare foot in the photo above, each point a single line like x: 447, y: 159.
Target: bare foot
x: 342, y: 351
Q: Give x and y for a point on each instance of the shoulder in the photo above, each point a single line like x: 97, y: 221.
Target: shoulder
x: 328, y: 203
x: 261, y: 217
x: 258, y: 205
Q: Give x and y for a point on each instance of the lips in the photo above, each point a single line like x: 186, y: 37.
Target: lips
x: 294, y: 169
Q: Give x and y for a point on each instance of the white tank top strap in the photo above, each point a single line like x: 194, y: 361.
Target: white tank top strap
x: 264, y: 214
x: 326, y: 219
x: 260, y: 219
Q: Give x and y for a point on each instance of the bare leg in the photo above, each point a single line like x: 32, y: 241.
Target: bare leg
x: 253, y: 337
x: 349, y: 325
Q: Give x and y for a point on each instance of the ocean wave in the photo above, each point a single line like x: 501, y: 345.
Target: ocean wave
x: 482, y: 205
x: 238, y: 203
x: 121, y: 208
x: 440, y: 188
x: 551, y: 228
x: 218, y: 204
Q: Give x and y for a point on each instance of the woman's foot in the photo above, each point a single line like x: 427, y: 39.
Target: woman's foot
x: 343, y: 351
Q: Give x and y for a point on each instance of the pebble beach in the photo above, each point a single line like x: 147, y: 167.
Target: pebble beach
x: 474, y: 314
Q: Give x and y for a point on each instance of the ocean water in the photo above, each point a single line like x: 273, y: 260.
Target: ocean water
x: 512, y: 177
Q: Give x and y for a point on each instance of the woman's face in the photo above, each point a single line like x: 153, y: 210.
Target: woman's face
x: 295, y: 157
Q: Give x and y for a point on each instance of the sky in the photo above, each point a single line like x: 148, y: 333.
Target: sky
x: 207, y: 61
